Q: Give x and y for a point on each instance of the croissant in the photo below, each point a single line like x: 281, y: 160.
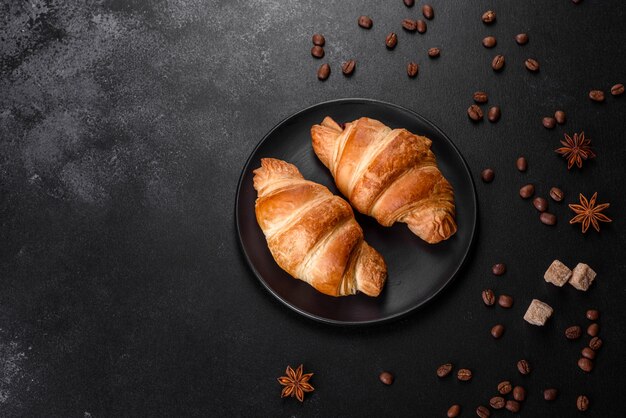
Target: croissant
x: 390, y: 174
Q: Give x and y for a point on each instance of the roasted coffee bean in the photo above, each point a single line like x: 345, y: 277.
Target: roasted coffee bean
x: 464, y: 375
x: 540, y: 204
x: 391, y: 40
x: 577, y: 1
x: 532, y: 65
x: 588, y: 353
x: 595, y: 343
x: 490, y: 41
x: 617, y: 90
x: 323, y: 72
x: 434, y: 52
x: 497, y: 331
x: 428, y: 12
x: 386, y: 378
x: 556, y: 194
x: 527, y: 191
x: 318, y: 40
x: 521, y: 164
x: 454, y: 411
x: 489, y: 298
x: 593, y: 329
x: 559, y: 116
x: 512, y: 406
x: 317, y: 51
x: 574, y: 332
x: 521, y: 38
x: 505, y: 301
x: 412, y: 69
x: 409, y: 3
x: 519, y: 393
x: 365, y: 22
x: 548, y: 218
x: 596, y: 95
x: 444, y: 370
x: 498, y: 269
x: 494, y: 114
x: 523, y: 367
x: 592, y: 314
x: 487, y: 175
x: 475, y: 113
x: 489, y: 17
x: 497, y: 402
x: 548, y: 122
x: 347, y: 68
x: 582, y: 403
x: 505, y: 387
x: 497, y: 63
x: 483, y: 412
x: 550, y: 394
x: 409, y: 24
x: 421, y: 26
x: 585, y: 364
x: 480, y: 97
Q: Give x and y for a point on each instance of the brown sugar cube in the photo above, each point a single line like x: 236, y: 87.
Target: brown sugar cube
x: 558, y: 274
x: 538, y: 313
x: 582, y: 277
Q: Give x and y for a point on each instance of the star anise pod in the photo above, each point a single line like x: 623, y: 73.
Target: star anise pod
x: 576, y: 150
x: 295, y: 383
x: 588, y: 213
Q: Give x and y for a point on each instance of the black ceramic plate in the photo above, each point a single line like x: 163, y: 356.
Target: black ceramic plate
x: 417, y: 271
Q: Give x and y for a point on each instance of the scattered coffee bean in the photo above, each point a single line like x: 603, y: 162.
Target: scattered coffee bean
x: 573, y: 333
x: 489, y: 298
x: 547, y: 218
x: 559, y: 116
x: 521, y: 38
x: 494, y: 114
x: 505, y: 301
x: 483, y: 412
x: 487, y: 175
x: 409, y: 25
x: 489, y: 42
x: 480, y: 97
x: 497, y: 402
x: 585, y: 364
x: 391, y: 40
x: 540, y: 204
x: 505, y: 387
x: 464, y: 375
x: 434, y: 52
x: 596, y: 95
x: 489, y: 17
x: 497, y: 63
x: 454, y: 411
x: 577, y: 1
x: 409, y: 3
x: 512, y: 406
x: 323, y: 72
x: 365, y: 22
x: 519, y: 393
x: 498, y: 269
x: 386, y: 378
x: 523, y: 367
x: 550, y: 394
x: 556, y: 194
x: 527, y: 191
x: 595, y: 343
x: 588, y: 353
x: 521, y: 164
x: 593, y: 329
x: 317, y: 51
x: 444, y: 370
x: 421, y: 26
x: 347, y: 68
x: 412, y: 69
x: 497, y: 331
x: 582, y: 403
x: 428, y: 12
x: 617, y: 90
x: 593, y: 314
x: 548, y: 122
x: 318, y: 40
x: 531, y: 65
x: 475, y: 113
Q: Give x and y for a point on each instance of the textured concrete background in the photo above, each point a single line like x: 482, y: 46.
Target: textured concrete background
x: 124, y: 126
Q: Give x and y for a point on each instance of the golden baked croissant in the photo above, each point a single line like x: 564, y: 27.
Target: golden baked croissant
x: 312, y: 233
x: 390, y: 174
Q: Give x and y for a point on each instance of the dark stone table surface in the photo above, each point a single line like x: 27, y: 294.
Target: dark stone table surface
x: 124, y: 126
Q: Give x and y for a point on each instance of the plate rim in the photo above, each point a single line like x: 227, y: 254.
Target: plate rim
x: 397, y: 315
